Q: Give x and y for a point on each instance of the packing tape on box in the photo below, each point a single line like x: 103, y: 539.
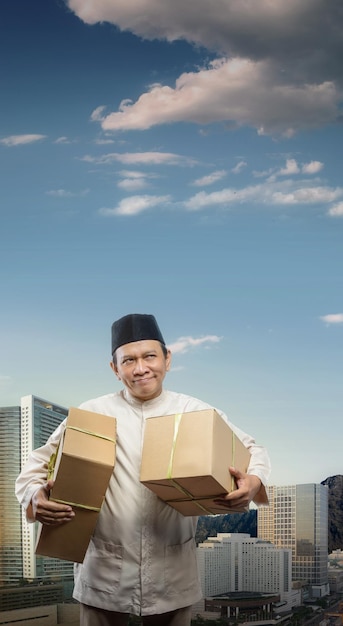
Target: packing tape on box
x: 53, y: 457
x: 77, y: 505
x: 177, y: 422
x: 91, y: 432
x: 52, y: 463
x: 233, y: 457
x: 189, y: 497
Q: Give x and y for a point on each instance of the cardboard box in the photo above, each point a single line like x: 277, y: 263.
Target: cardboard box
x: 83, y: 468
x: 186, y: 458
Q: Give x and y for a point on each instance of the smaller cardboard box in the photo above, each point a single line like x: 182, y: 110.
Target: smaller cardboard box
x: 186, y: 457
x: 82, y: 469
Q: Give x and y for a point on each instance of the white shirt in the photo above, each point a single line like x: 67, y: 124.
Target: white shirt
x: 142, y: 556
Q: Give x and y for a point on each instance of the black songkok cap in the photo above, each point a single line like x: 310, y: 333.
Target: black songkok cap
x: 134, y: 327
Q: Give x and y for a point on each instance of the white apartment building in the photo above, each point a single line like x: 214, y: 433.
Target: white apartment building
x: 232, y: 562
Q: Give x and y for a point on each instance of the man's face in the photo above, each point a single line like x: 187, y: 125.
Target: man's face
x: 142, y: 366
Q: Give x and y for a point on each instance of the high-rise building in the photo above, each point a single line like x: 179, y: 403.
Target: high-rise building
x: 297, y: 518
x: 233, y: 562
x: 22, y: 429
x: 11, y: 566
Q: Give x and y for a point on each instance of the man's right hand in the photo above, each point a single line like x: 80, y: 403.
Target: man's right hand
x: 47, y: 511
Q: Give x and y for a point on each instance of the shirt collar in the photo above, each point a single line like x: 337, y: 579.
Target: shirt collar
x: 140, y: 403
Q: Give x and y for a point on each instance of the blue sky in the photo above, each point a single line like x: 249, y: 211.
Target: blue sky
x: 185, y: 160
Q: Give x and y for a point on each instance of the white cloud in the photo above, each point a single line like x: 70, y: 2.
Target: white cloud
x: 133, y: 174
x: 332, y: 318
x: 312, y: 168
x: 19, y: 140
x: 141, y: 158
x: 307, y: 195
x: 98, y: 114
x: 255, y: 28
x: 133, y: 180
x: 336, y: 210
x: 290, y: 168
x: 210, y: 179
x: 135, y: 204
x: 133, y: 184
x: 239, y: 167
x: 264, y: 173
x: 63, y: 140
x: 223, y: 197
x: 64, y: 193
x: 239, y: 91
x: 183, y: 344
x: 269, y: 193
x: 103, y: 142
x: 281, y: 87
x: 66, y: 141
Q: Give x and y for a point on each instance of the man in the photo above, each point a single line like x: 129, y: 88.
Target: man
x: 141, y: 559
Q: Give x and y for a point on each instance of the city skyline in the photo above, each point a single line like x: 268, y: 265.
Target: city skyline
x: 186, y: 165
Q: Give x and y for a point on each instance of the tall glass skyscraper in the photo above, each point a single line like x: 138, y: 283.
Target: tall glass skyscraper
x: 11, y: 566
x: 297, y: 518
x: 22, y: 429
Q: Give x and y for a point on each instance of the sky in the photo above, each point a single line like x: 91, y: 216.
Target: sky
x: 182, y: 159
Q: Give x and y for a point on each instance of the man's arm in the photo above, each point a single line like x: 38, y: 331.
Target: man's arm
x: 34, y: 474
x: 251, y: 486
x: 259, y: 468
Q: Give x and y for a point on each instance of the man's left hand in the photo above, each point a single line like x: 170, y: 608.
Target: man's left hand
x: 248, y: 486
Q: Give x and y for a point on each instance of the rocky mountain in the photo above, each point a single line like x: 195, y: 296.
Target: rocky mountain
x: 209, y: 526
x: 335, y: 486
x: 247, y: 522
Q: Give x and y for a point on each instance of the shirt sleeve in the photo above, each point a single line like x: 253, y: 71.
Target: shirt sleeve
x: 34, y: 473
x: 259, y: 463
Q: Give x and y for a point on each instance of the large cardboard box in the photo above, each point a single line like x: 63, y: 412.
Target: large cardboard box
x: 186, y: 458
x: 83, y: 468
